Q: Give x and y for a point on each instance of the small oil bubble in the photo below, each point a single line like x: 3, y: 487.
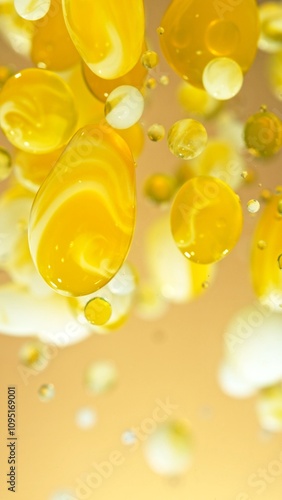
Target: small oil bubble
x: 150, y: 59
x: 261, y: 244
x: 46, y: 392
x: 98, y: 311
x: 156, y: 132
x: 253, y: 206
x: 160, y: 30
x: 151, y: 83
x: 164, y: 80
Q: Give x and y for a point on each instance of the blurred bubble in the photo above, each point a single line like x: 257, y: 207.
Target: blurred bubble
x: 101, y: 377
x: 85, y: 418
x: 46, y: 392
x: 269, y: 408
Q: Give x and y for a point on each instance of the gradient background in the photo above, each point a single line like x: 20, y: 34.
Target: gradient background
x: 175, y: 357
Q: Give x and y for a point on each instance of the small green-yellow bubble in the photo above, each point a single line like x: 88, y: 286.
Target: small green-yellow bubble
x: 98, y: 311
x: 150, y: 59
x: 263, y: 134
x: 164, y: 80
x: 5, y: 164
x: 160, y: 30
x: 187, y: 139
x: 160, y: 188
x: 156, y: 132
x: 46, y: 392
x: 261, y: 244
x: 34, y: 355
x: 151, y: 83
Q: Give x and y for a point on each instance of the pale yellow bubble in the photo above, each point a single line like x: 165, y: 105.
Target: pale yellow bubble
x: 46, y: 392
x: 151, y: 83
x: 5, y: 164
x: 156, y: 132
x: 32, y: 9
x: 261, y: 244
x: 253, y: 206
x: 187, y: 139
x: 101, y: 377
x: 223, y: 78
x: 160, y: 188
x: 150, y: 59
x: 98, y: 311
x: 164, y: 80
x: 160, y: 30
x: 270, y: 15
x: 34, y: 355
x: 124, y: 107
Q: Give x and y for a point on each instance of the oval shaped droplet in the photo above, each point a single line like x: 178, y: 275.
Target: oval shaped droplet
x: 83, y: 216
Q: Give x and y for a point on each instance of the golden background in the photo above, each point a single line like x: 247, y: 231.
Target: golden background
x: 175, y: 357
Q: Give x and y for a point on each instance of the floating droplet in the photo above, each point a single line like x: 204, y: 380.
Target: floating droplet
x: 46, y: 392
x: 253, y: 206
x: 98, y: 311
x: 34, y: 354
x: 205, y: 284
x: 263, y: 134
x: 128, y: 437
x: 187, y: 139
x: 265, y: 194
x: 160, y: 188
x: 160, y: 30
x: 124, y: 107
x: 85, y: 418
x: 156, y: 132
x: 151, y: 83
x: 223, y: 78
x: 101, y: 377
x: 261, y: 244
x: 150, y: 59
x: 164, y: 80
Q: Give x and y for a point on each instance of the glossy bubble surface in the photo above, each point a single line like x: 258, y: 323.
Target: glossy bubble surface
x: 263, y: 133
x: 32, y: 9
x: 37, y: 111
x: 196, y: 31
x: 83, y: 217
x: 187, y: 139
x: 108, y: 35
x: 206, y: 219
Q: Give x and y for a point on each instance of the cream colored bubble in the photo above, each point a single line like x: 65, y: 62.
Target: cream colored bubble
x: 223, y: 78
x: 169, y: 449
x: 32, y: 10
x: 124, y: 107
x: 253, y: 206
x: 101, y: 377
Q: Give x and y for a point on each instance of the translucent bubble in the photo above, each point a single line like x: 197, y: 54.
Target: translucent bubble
x: 269, y: 408
x: 270, y: 15
x: 101, y: 377
x: 34, y: 354
x: 222, y: 78
x: 263, y: 133
x: 98, y: 311
x: 151, y: 83
x: 160, y: 188
x: 253, y: 206
x: 187, y: 139
x: 46, y: 392
x: 32, y: 9
x: 160, y: 30
x: 265, y: 194
x: 124, y: 107
x: 128, y: 437
x: 156, y: 132
x: 85, y: 418
x: 5, y: 164
x: 150, y: 59
x: 169, y: 449
x: 164, y: 80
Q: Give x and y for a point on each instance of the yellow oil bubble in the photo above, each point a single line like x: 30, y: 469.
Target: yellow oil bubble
x: 222, y: 78
x: 150, y: 59
x: 270, y: 15
x: 206, y: 219
x: 37, y: 111
x: 52, y: 47
x: 160, y: 188
x: 253, y: 206
x: 265, y: 194
x: 160, y: 30
x: 266, y: 274
x: 5, y: 164
x: 75, y: 251
x: 34, y: 355
x: 101, y: 377
x: 156, y: 132
x: 124, y: 107
x: 151, y: 83
x: 197, y: 101
x: 32, y: 9
x: 108, y: 35
x: 195, y: 32
x: 98, y: 311
x: 46, y: 392
x: 164, y: 80
x: 263, y: 134
x: 187, y: 139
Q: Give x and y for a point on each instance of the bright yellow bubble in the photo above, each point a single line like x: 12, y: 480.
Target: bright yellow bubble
x: 98, y: 311
x: 150, y: 59
x: 222, y: 78
x: 187, y: 139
